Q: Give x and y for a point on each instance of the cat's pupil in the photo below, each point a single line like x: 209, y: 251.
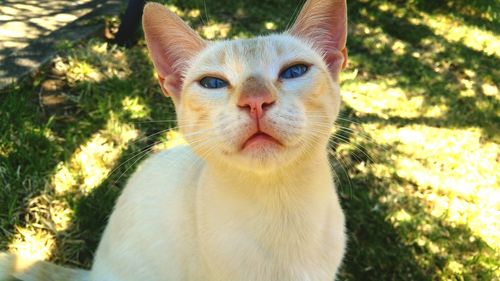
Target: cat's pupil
x: 212, y: 83
x: 294, y: 71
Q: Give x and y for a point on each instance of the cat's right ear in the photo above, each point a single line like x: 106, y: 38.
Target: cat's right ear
x: 171, y: 43
x: 323, y: 23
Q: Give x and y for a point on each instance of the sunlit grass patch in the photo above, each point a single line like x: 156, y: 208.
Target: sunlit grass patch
x: 454, y: 173
x: 210, y: 29
x: 135, y: 107
x: 385, y: 99
x: 451, y: 28
x: 270, y: 25
x: 439, y: 188
x: 37, y: 239
x: 94, y: 160
x: 458, y: 31
x: 33, y: 243
x: 452, y: 159
x: 5, y: 150
x: 93, y: 63
x: 49, y: 232
x: 215, y: 30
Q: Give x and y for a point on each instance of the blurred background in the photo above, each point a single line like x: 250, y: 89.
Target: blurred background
x: 415, y: 150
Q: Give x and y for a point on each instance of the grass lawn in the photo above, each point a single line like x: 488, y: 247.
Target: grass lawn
x: 417, y: 143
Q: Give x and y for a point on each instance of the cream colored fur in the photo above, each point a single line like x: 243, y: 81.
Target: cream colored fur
x: 211, y: 211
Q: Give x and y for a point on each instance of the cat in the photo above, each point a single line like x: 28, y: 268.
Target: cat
x: 251, y: 196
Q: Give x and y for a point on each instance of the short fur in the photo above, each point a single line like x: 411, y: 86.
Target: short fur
x: 216, y: 209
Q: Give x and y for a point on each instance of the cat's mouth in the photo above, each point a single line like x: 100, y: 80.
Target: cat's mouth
x: 260, y: 140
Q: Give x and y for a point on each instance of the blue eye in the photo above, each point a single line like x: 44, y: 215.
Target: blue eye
x: 212, y: 83
x: 294, y: 71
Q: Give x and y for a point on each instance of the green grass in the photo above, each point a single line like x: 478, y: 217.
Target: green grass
x: 420, y: 159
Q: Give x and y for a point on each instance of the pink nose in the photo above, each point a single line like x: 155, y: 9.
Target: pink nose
x: 256, y: 102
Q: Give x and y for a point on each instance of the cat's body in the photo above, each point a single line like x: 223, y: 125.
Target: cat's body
x: 251, y: 197
x: 273, y: 232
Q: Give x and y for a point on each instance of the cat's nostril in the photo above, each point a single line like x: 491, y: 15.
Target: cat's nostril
x: 256, y: 102
x: 267, y: 105
x: 256, y: 107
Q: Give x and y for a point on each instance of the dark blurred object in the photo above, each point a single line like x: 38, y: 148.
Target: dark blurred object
x: 130, y: 22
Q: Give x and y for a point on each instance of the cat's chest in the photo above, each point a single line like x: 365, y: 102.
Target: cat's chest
x: 281, y: 241
x: 270, y: 250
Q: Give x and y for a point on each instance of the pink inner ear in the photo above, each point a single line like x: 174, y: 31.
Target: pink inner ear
x: 346, y: 58
x: 334, y: 60
x: 171, y: 85
x: 171, y: 44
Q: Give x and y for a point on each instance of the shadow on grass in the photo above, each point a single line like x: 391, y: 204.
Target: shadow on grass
x: 245, y: 17
x: 392, y: 231
x: 92, y: 210
x: 36, y: 44
x: 42, y: 129
x: 379, y: 249
x: 436, y: 73
x: 483, y: 14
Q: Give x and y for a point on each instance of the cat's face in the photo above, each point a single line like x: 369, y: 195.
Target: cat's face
x: 293, y: 110
x: 256, y: 103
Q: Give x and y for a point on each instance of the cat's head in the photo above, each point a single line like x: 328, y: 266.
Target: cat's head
x: 258, y: 103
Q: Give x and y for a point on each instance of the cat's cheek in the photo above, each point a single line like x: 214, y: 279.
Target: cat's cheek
x: 322, y: 98
x: 294, y: 88
x: 198, y: 105
x: 227, y: 128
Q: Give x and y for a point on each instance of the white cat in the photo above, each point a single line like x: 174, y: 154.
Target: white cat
x: 251, y: 197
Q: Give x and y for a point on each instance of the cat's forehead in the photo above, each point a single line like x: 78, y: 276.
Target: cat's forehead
x: 254, y: 47
x: 255, y: 50
x: 239, y: 58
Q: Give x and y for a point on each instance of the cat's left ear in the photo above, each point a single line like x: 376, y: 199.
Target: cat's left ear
x: 323, y: 23
x: 171, y: 43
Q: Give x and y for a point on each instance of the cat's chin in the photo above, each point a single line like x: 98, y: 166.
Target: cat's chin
x: 261, y: 154
x: 260, y: 141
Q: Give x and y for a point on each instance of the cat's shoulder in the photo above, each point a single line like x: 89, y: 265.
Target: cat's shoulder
x: 179, y: 154
x: 180, y: 157
x: 176, y: 166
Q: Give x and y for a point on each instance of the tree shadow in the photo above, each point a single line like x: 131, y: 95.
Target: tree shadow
x: 91, y: 210
x: 42, y: 42
x: 392, y: 232
x: 418, y: 75
x: 483, y: 14
x: 41, y: 136
x: 245, y: 17
x: 379, y: 249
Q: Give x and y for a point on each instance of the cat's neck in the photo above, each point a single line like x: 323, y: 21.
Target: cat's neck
x: 274, y: 221
x: 305, y: 178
